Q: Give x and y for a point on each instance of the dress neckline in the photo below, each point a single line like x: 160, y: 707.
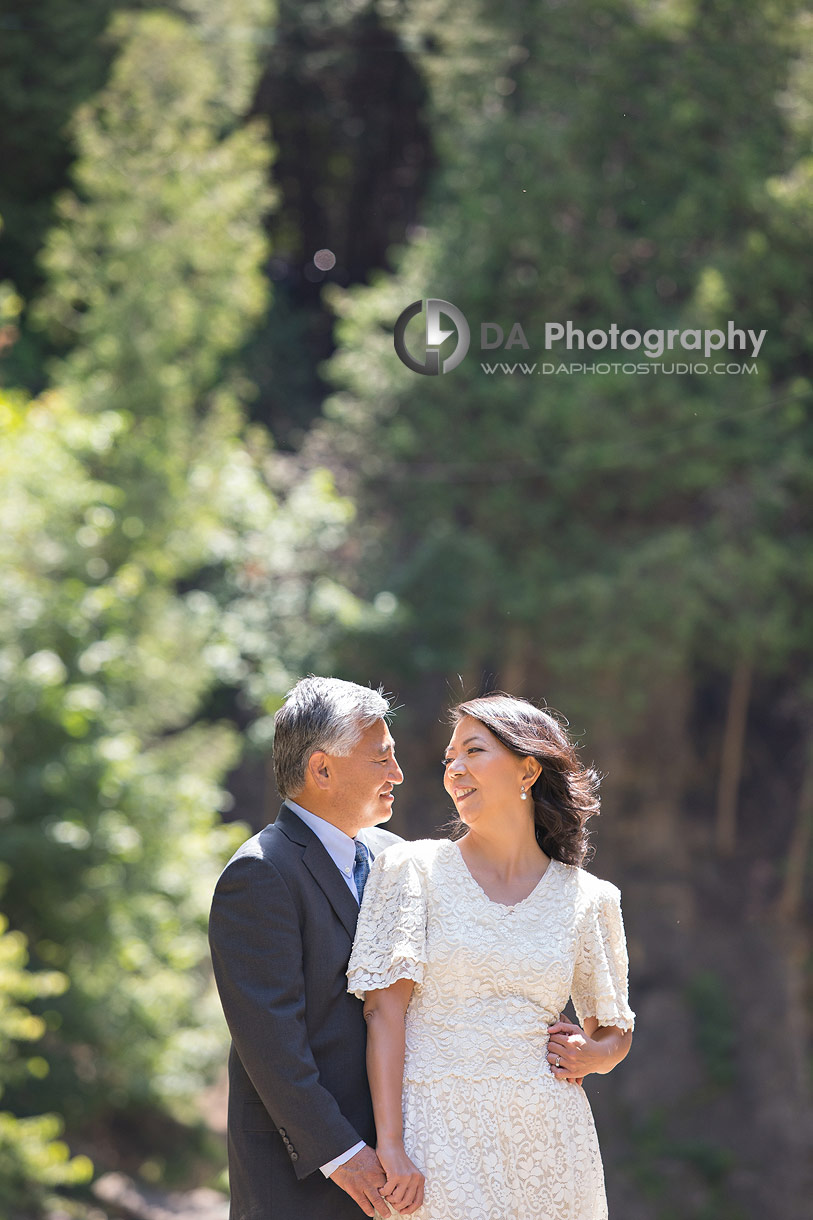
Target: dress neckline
x: 505, y: 906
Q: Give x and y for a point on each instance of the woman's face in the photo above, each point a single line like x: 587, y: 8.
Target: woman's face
x: 482, y: 776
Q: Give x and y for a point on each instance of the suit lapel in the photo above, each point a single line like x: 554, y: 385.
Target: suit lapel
x: 321, y: 867
x: 377, y: 840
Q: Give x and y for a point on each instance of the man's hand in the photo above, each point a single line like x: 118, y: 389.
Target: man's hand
x: 362, y: 1178
x: 578, y: 1054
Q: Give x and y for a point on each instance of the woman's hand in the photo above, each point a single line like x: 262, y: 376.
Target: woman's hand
x: 577, y: 1053
x: 404, y: 1185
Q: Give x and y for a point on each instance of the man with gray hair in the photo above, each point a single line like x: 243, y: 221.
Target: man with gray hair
x: 300, y: 1128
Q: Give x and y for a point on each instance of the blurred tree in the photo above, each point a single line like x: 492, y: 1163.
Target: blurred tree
x: 109, y: 801
x: 104, y: 812
x: 33, y: 1160
x: 52, y: 57
x: 636, y: 548
x: 346, y: 103
x: 549, y: 528
x: 148, y: 564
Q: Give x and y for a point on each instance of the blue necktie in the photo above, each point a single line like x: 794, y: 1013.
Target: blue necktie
x: 361, y: 868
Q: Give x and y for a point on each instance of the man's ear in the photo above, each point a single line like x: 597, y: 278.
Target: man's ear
x: 319, y: 769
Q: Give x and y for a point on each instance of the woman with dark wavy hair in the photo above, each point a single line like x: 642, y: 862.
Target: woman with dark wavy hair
x: 466, y: 953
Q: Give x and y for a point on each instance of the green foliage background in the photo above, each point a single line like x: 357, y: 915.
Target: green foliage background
x: 215, y: 475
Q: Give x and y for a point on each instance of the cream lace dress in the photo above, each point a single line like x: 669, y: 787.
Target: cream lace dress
x: 496, y: 1134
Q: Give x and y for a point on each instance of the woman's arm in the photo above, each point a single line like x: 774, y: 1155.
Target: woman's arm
x: 385, y: 1012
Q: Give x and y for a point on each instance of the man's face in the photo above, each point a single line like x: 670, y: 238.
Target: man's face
x: 365, y: 778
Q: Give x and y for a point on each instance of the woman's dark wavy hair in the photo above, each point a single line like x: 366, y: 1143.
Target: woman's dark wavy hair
x: 566, y: 793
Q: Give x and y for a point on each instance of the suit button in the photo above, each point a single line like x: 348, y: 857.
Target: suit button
x: 294, y: 1156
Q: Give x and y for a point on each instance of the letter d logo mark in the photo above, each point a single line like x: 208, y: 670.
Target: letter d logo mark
x: 435, y: 336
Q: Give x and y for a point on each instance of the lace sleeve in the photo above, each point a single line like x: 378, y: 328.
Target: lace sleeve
x: 390, y: 939
x: 599, y: 987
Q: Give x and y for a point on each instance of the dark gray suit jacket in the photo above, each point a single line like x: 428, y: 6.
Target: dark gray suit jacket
x: 281, y: 929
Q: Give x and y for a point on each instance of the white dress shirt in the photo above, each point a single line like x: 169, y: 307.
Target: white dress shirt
x: 342, y: 851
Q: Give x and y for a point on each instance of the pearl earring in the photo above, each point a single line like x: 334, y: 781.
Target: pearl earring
x: 523, y: 796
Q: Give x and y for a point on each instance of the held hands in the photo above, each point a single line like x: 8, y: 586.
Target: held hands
x: 404, y: 1186
x: 371, y: 1179
x: 362, y: 1178
x: 578, y: 1054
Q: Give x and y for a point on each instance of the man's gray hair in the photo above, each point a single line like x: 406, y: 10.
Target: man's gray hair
x: 321, y: 714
